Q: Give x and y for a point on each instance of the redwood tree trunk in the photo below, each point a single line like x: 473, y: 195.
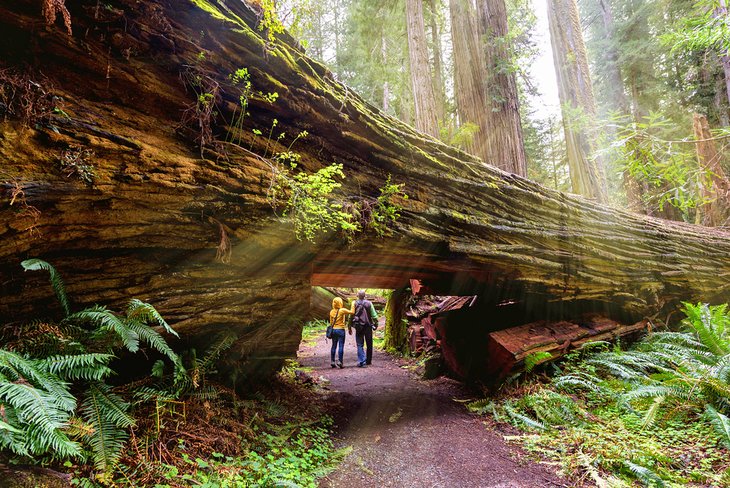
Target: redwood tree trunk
x: 717, y: 211
x: 421, y: 81
x: 469, y: 75
x: 504, y: 135
x: 438, y: 77
x: 576, y: 98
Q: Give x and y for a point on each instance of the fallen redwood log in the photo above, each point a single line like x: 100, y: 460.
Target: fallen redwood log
x: 507, y: 349
x: 158, y: 210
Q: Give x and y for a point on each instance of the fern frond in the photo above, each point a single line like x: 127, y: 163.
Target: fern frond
x: 206, y: 364
x: 720, y: 422
x: 144, y: 312
x: 41, y: 417
x: 56, y: 281
x: 90, y: 367
x: 105, y: 322
x: 106, y: 413
x: 645, y: 475
x: 524, y: 420
x: 680, y: 391
x: 651, y: 413
x: 16, y: 368
x: 589, y: 382
x: 701, y: 319
x: 151, y: 337
x: 485, y: 405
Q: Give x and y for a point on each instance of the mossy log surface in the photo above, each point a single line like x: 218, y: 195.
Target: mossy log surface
x: 149, y: 224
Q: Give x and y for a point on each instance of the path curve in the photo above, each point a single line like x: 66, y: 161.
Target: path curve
x: 406, y: 432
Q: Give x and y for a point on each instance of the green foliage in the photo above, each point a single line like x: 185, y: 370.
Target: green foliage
x: 316, y: 208
x: 386, y: 211
x: 106, y: 415
x: 56, y: 281
x: 270, y: 23
x: 535, y: 358
x: 241, y: 80
x: 620, y: 415
x: 288, y: 455
x: 189, y: 377
x: 705, y: 27
x: 38, y: 396
x: 666, y: 171
x: 309, y: 200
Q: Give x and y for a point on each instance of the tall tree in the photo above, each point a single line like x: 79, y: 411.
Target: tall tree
x: 613, y: 81
x: 421, y: 81
x: 469, y: 74
x: 505, y: 142
x: 576, y: 98
x: 438, y: 71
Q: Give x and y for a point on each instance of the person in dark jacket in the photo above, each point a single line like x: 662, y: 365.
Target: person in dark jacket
x: 364, y: 321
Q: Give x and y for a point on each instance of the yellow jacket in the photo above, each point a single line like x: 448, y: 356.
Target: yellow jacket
x: 339, y: 312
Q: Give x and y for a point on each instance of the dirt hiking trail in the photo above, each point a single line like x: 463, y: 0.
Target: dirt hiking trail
x: 406, y: 432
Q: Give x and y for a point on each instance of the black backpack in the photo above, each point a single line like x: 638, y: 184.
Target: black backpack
x: 360, y: 319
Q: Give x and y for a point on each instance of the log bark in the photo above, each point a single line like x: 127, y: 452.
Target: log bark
x: 508, y: 349
x: 149, y: 223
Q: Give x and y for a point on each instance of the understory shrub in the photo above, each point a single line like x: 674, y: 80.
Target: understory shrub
x: 656, y: 413
x: 55, y: 401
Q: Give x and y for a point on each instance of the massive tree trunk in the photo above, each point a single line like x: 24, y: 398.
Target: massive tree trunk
x: 504, y: 135
x: 150, y: 221
x: 421, y: 82
x: 576, y: 98
x: 709, y: 158
x: 469, y: 75
x: 438, y: 75
x: 614, y: 79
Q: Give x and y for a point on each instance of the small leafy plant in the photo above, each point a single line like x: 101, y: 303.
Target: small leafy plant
x: 55, y: 400
x: 620, y: 415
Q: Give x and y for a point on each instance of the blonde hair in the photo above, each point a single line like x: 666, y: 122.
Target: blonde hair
x: 337, y: 303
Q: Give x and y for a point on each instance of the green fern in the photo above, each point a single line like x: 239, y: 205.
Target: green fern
x: 535, y: 358
x: 645, y: 475
x: 35, y: 394
x: 56, y: 281
x: 144, y: 312
x: 720, y: 422
x: 107, y: 414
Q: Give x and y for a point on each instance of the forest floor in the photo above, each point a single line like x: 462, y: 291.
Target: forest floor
x: 408, y: 432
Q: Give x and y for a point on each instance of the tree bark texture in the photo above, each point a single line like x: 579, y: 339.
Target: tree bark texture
x: 576, y: 98
x: 717, y: 212
x: 396, y: 328
x: 150, y: 222
x: 421, y: 81
x: 615, y: 80
x: 469, y: 75
x: 438, y: 75
x: 504, y: 139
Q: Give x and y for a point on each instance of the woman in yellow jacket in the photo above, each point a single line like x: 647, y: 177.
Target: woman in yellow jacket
x: 337, y: 319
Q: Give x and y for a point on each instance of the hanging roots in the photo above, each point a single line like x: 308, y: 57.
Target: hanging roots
x: 51, y: 8
x: 224, y: 251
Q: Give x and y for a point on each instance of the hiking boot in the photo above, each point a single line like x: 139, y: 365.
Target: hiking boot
x: 333, y: 365
x: 339, y: 364
x: 360, y: 365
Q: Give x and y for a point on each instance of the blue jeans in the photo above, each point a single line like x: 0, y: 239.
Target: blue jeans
x: 338, y: 337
